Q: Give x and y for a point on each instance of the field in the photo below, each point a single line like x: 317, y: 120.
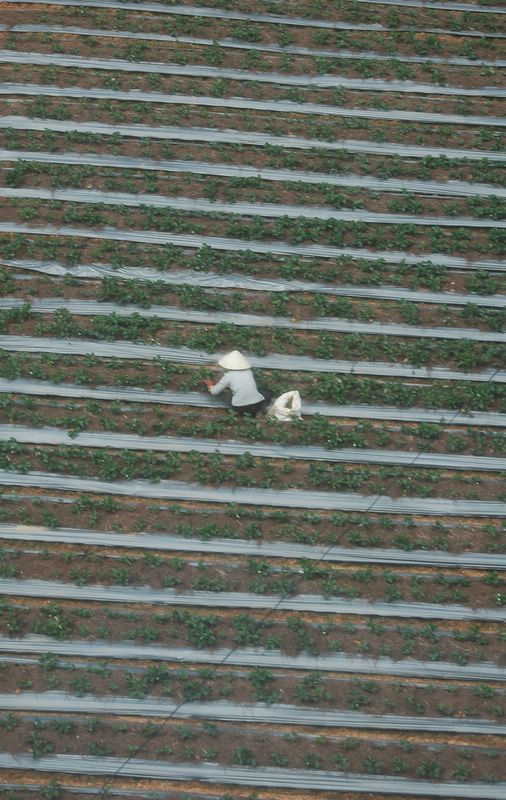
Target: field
x: 201, y: 606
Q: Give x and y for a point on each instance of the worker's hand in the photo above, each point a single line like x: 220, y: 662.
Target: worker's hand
x: 209, y: 383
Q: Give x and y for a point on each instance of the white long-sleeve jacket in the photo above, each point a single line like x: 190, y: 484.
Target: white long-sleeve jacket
x: 242, y: 385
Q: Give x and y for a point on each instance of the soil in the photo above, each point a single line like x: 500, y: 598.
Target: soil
x: 79, y: 565
x: 171, y: 53
x: 159, y: 420
x: 310, y: 160
x: 327, y: 691
x: 290, y: 632
x: 241, y: 190
x: 212, y: 470
x: 295, y: 305
x: 321, y: 127
x: 206, y: 522
x: 341, y: 270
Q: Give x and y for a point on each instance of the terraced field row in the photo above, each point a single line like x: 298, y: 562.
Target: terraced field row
x: 195, y: 604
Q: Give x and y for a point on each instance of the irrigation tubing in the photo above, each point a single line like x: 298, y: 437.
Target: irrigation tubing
x: 275, y: 19
x: 175, y: 314
x: 194, y: 399
x: 275, y: 714
x: 240, y: 208
x: 243, y: 104
x: 407, y: 667
x: 430, y: 188
x: 222, y: 73
x: 212, y: 280
x: 283, y: 498
x: 188, y: 444
x: 191, y: 241
x: 274, y: 361
x: 229, y: 136
x: 236, y: 44
x: 317, y: 604
x: 252, y: 776
x: 244, y: 547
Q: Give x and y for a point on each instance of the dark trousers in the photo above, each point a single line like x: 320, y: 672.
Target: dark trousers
x: 251, y: 410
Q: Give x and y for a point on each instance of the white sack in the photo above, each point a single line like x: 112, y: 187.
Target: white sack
x: 286, y: 407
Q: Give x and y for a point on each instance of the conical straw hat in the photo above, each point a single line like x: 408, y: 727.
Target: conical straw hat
x: 234, y: 360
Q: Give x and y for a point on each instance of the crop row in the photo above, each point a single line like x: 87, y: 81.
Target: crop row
x: 247, y: 471
x: 31, y: 173
x: 160, y: 374
x: 256, y: 576
x: 283, y: 632
x: 212, y: 87
x: 309, y: 689
x: 273, y: 118
x: 361, y: 531
x: 47, y: 135
x: 262, y: 22
x: 135, y: 327
x: 122, y: 46
x: 296, y: 305
x: 263, y: 36
x: 75, y: 250
x: 158, y: 420
x: 375, y: 240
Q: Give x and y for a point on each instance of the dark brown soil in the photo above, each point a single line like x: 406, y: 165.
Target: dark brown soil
x: 189, y: 572
x: 375, y: 695
x: 292, y: 633
x: 160, y: 420
x: 310, y: 160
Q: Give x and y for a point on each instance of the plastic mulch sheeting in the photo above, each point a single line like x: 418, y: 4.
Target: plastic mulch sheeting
x: 238, y: 245
x: 407, y: 667
x: 443, y: 188
x: 288, y: 106
x: 189, y: 444
x: 252, y: 776
x: 273, y: 361
x: 224, y: 73
x: 277, y: 714
x: 305, y: 602
x: 194, y: 134
x: 194, y: 399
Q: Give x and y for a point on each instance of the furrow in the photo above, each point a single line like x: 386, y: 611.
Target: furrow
x: 442, y: 188
x: 252, y: 776
x: 194, y: 134
x: 269, y: 210
x: 192, y: 399
x: 222, y: 73
x: 238, y: 245
x: 283, y: 498
x: 173, y: 543
x: 236, y: 44
x: 383, y: 665
x: 175, y: 314
x: 210, y: 280
x: 39, y: 90
x: 188, y: 444
x: 275, y: 714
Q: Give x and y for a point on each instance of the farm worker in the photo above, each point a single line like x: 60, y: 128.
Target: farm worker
x: 246, y: 399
